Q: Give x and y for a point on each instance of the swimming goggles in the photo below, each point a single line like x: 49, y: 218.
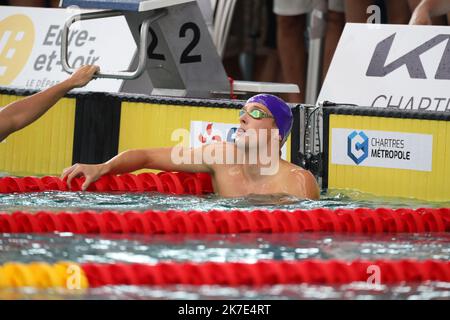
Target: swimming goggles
x: 255, y: 114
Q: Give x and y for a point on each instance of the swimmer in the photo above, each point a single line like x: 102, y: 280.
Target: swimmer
x: 261, y: 113
x: 20, y: 114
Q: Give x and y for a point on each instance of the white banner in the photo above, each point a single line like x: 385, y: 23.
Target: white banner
x: 369, y: 148
x: 396, y: 66
x: 30, y: 46
x: 207, y: 132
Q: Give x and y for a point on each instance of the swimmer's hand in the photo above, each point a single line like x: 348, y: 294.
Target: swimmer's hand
x: 92, y: 172
x: 82, y: 76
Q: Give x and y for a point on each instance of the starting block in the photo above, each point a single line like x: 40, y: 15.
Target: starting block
x: 176, y: 55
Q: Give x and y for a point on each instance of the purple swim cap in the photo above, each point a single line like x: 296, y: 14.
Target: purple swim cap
x: 280, y: 110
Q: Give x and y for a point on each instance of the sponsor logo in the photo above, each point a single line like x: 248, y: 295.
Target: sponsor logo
x: 210, y: 135
x: 357, y: 146
x: 412, y: 60
x: 383, y: 149
x: 209, y: 132
x: 17, y: 36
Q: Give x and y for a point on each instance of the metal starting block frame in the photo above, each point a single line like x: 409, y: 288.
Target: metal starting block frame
x: 181, y: 58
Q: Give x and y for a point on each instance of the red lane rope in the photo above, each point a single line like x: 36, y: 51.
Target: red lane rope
x: 267, y: 272
x: 224, y: 222
x: 164, y: 182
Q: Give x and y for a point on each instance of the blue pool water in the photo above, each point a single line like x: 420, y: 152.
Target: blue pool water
x: 77, y: 201
x: 219, y: 248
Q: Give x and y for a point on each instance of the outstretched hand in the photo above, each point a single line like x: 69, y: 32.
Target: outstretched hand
x: 83, y: 75
x: 92, y: 172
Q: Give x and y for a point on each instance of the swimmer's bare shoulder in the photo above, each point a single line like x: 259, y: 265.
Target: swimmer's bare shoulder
x: 220, y: 150
x: 302, y: 182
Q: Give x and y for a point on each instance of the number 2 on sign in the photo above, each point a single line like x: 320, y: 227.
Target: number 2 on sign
x: 186, y: 56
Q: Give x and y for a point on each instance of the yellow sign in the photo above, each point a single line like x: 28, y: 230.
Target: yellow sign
x: 17, y: 36
x: 393, y: 182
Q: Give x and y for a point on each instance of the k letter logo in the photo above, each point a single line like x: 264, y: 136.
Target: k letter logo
x: 16, y: 42
x: 412, y: 60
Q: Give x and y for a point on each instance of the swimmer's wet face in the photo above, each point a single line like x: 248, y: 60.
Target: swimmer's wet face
x: 266, y: 107
x: 255, y: 119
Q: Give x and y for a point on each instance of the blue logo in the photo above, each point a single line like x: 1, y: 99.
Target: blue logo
x: 231, y: 136
x: 358, y: 146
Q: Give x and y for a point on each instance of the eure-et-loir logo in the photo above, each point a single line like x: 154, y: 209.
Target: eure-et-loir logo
x: 358, y: 146
x: 16, y: 42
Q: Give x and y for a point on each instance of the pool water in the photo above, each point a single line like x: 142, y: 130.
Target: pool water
x: 78, y: 201
x: 219, y: 248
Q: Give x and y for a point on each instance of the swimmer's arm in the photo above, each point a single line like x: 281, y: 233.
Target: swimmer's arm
x: 19, y: 114
x: 131, y: 160
x: 165, y: 159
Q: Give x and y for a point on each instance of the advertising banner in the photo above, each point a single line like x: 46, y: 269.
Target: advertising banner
x: 30, y: 46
